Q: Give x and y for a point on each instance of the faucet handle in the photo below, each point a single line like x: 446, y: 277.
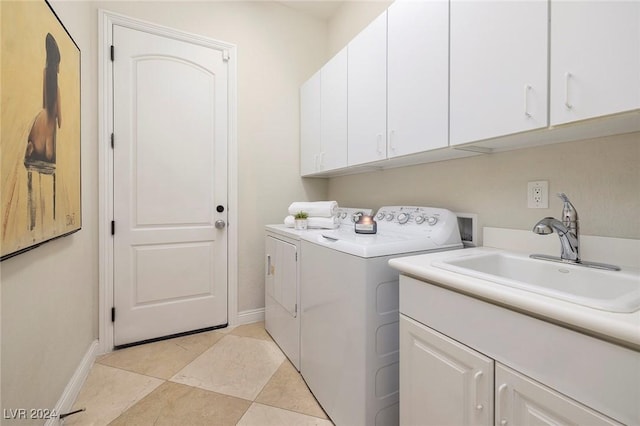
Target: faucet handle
x: 569, y: 213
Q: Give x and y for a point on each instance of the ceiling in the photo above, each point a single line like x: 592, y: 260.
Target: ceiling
x: 322, y: 9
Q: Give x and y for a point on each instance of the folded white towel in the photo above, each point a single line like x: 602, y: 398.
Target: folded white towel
x: 315, y: 222
x: 314, y: 208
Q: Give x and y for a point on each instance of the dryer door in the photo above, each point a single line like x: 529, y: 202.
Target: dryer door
x: 281, y: 273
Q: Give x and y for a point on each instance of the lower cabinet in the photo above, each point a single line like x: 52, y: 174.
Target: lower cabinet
x: 523, y: 401
x: 444, y: 382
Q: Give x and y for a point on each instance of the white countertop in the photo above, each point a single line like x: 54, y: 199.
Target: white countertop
x: 621, y: 328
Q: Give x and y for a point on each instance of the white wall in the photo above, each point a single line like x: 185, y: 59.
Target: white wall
x: 602, y: 177
x: 49, y: 295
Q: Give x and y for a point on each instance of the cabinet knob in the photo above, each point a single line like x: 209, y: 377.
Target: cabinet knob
x: 479, y: 407
x: 503, y: 422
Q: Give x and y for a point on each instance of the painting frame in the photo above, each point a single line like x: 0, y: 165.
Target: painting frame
x: 40, y: 128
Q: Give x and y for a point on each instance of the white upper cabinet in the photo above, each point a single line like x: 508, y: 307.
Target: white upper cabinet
x: 595, y: 59
x: 418, y: 76
x: 498, y: 69
x: 310, y: 125
x: 428, y: 75
x: 367, y: 94
x: 333, y: 99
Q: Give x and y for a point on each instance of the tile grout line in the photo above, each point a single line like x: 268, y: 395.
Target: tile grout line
x: 291, y: 411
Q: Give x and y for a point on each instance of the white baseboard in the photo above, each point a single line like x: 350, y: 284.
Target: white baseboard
x: 250, y: 316
x: 72, y: 389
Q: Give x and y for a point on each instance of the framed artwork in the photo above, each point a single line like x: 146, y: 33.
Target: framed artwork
x: 39, y: 128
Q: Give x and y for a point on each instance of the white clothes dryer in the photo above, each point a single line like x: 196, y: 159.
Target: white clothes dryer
x: 282, y: 278
x: 349, y: 310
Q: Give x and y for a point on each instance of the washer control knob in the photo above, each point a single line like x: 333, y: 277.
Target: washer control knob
x: 343, y: 215
x: 419, y: 219
x: 389, y: 217
x: 380, y: 216
x: 356, y: 216
x: 432, y: 220
x: 403, y: 218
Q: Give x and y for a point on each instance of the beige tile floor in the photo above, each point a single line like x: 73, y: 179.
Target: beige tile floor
x: 233, y: 376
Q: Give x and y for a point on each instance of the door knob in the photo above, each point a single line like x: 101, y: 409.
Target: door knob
x: 220, y: 224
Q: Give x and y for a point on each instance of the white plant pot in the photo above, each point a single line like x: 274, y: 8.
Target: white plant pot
x: 301, y: 224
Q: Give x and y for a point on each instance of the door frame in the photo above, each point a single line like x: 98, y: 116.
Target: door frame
x: 106, y: 21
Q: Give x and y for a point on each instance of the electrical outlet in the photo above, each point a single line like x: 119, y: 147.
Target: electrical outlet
x: 538, y: 194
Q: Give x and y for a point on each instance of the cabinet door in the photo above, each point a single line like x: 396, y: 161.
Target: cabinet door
x: 333, y: 154
x: 310, y: 125
x: 367, y: 94
x: 522, y: 401
x: 595, y: 59
x: 498, y: 68
x: 281, y: 280
x: 418, y: 76
x: 442, y: 382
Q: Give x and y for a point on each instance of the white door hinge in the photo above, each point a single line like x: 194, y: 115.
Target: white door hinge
x: 225, y: 55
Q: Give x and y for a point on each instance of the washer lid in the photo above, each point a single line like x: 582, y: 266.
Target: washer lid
x: 383, y: 243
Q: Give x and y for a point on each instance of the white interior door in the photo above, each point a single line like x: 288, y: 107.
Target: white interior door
x: 170, y: 185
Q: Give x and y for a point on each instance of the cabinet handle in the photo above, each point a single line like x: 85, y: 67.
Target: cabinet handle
x: 527, y: 88
x: 379, y: 142
x: 476, y: 379
x: 500, y: 405
x: 392, y: 139
x: 268, y: 264
x: 322, y: 160
x: 567, y: 77
x: 315, y: 162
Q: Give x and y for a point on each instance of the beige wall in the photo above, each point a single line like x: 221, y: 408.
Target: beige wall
x: 49, y: 295
x: 351, y: 18
x: 602, y: 177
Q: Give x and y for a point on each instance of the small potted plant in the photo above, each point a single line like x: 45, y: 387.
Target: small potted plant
x: 301, y: 220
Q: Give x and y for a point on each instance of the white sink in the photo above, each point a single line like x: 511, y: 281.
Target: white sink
x: 612, y: 291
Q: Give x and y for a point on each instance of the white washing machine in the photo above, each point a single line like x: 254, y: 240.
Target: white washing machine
x: 349, y: 308
x: 282, y: 277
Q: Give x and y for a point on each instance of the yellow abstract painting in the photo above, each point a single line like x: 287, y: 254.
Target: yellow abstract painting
x: 39, y: 127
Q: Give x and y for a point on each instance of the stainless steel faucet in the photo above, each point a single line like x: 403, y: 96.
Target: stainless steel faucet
x: 568, y: 231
